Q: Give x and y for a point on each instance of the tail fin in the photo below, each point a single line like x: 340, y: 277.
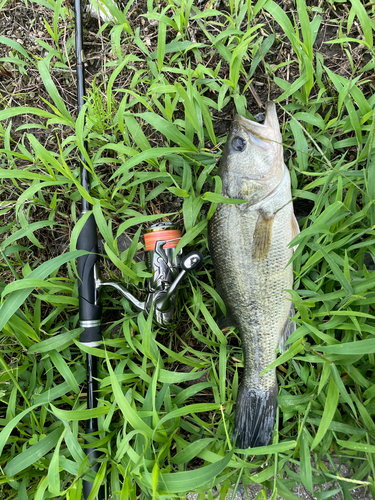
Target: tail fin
x: 255, y: 417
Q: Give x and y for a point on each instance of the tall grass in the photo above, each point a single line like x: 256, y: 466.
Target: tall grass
x: 167, y: 400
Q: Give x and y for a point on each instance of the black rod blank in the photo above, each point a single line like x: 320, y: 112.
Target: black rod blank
x: 81, y: 91
x: 89, y: 306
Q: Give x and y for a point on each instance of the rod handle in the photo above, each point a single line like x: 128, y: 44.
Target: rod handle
x: 90, y: 309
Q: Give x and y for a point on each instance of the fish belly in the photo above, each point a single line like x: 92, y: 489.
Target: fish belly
x: 254, y: 293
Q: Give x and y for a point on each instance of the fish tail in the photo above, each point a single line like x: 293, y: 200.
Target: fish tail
x: 255, y: 417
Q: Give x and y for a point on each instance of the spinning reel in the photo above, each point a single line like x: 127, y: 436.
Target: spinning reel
x: 167, y: 273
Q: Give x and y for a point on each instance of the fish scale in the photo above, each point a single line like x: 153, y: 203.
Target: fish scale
x: 250, y: 252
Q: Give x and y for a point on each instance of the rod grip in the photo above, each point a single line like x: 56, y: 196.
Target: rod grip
x: 89, y: 309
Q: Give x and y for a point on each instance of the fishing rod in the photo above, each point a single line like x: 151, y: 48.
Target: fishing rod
x: 89, y: 306
x: 167, y: 269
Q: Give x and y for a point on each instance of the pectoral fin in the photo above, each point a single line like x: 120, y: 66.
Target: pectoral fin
x: 262, y: 236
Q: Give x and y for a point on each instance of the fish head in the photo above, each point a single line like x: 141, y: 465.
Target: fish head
x: 252, y: 165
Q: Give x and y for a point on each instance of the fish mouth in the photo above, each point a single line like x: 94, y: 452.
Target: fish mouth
x: 269, y: 130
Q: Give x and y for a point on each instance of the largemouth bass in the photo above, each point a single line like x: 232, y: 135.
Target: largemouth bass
x: 249, y: 247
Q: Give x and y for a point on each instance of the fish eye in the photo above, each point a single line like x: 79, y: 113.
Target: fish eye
x: 238, y: 143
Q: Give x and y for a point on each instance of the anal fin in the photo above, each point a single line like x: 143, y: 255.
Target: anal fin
x: 224, y: 322
x: 289, y: 327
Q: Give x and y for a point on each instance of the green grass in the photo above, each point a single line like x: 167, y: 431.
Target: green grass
x: 167, y: 400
